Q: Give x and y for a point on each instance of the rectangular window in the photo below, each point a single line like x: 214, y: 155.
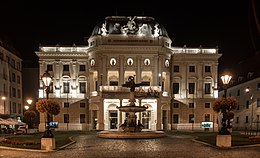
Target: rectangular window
x: 246, y: 119
x: 82, y: 105
x: 19, y: 109
x: 82, y: 68
x: 14, y: 92
x: 18, y: 93
x: 258, y: 87
x: 66, y: 105
x: 176, y: 68
x: 175, y: 105
x: 66, y: 87
x: 66, y: 118
x: 237, y: 120
x: 207, y: 88
x: 191, y: 118
x: 247, y: 104
x: 238, y: 92
x: 191, y: 88
x: 191, y: 105
x: 175, y: 118
x: 14, y: 107
x: 49, y: 67
x: 207, y: 68
x: 82, y: 87
x: 258, y: 102
x: 207, y: 117
x: 207, y: 105
x: 192, y: 68
x: 18, y: 79
x: 175, y: 88
x: 66, y: 68
x: 13, y: 77
x: 82, y: 118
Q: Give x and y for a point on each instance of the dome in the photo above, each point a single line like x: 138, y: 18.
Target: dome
x: 127, y: 25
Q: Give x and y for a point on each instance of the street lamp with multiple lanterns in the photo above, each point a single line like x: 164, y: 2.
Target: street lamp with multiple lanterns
x: 225, y: 80
x: 47, y: 78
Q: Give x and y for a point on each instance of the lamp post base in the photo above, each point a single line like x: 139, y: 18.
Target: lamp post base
x: 48, y: 143
x: 223, y: 140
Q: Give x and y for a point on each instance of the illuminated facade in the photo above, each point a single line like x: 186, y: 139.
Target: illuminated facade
x: 11, y: 82
x: 178, y: 83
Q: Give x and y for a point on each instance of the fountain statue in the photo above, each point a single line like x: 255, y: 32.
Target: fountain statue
x: 131, y: 125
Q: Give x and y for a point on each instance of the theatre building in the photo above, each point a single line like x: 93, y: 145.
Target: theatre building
x: 176, y: 84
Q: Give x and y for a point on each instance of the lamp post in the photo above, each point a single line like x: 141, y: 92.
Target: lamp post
x: 252, y: 110
x: 225, y: 79
x: 46, y: 78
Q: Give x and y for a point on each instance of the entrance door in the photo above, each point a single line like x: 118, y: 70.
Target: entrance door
x: 113, y: 119
x: 146, y: 119
x: 94, y: 119
x: 164, y: 119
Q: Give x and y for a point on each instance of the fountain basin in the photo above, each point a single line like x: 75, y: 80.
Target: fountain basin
x: 131, y: 135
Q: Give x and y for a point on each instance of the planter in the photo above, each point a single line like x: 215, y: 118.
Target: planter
x: 223, y: 141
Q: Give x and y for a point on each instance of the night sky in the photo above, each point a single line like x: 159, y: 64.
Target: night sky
x: 226, y: 24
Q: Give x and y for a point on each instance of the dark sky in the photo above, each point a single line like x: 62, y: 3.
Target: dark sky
x: 225, y: 24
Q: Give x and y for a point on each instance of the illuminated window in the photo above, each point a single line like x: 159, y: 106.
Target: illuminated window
x: 130, y: 61
x: 167, y: 63
x: 147, y: 62
x: 92, y: 62
x: 113, y: 61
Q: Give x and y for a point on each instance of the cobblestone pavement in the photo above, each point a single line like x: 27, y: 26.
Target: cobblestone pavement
x: 89, y: 146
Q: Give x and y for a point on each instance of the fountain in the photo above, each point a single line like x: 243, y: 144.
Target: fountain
x: 131, y: 128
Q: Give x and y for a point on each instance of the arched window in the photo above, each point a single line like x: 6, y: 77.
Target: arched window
x: 130, y: 61
x: 113, y: 61
x: 147, y: 62
x: 92, y: 62
x: 167, y: 63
